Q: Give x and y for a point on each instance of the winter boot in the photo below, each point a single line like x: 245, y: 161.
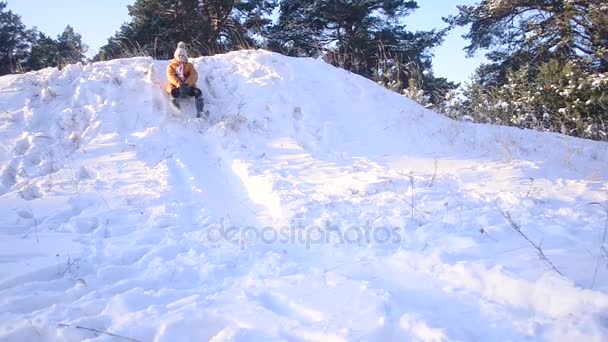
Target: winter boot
x: 199, y: 107
x: 174, y: 103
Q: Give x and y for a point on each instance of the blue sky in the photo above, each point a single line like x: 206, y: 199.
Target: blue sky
x: 97, y: 20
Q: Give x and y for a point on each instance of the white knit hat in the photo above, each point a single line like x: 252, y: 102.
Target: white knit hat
x: 181, y: 50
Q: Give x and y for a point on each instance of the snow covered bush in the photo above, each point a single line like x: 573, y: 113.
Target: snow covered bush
x: 559, y: 97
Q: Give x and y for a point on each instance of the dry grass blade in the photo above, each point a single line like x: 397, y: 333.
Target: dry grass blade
x: 602, y: 248
x: 517, y: 228
x: 97, y: 331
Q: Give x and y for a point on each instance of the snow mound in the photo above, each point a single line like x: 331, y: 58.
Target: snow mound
x: 312, y: 205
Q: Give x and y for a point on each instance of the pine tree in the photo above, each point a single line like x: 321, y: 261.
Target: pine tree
x: 206, y: 26
x: 365, y: 36
x: 70, y: 47
x: 548, y: 64
x: 23, y: 49
x: 15, y: 41
x: 44, y: 53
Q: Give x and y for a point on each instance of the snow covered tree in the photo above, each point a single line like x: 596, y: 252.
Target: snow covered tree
x: 564, y: 98
x: 519, y: 32
x: 548, y: 63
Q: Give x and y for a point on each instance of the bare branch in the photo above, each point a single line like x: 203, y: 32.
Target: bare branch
x: 60, y: 325
x: 517, y: 228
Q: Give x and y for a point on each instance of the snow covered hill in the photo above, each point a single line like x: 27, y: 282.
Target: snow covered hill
x: 313, y: 206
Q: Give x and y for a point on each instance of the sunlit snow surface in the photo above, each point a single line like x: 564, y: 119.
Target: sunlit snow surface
x: 313, y: 205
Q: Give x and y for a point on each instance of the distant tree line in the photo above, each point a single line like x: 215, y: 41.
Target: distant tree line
x: 367, y: 37
x: 547, y: 63
x: 25, y: 49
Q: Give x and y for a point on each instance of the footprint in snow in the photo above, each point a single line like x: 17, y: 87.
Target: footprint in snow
x: 286, y: 307
x: 22, y: 146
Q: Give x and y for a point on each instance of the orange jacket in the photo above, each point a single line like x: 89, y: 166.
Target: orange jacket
x: 189, y: 73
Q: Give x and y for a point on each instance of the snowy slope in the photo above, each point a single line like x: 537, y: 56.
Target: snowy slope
x: 313, y: 206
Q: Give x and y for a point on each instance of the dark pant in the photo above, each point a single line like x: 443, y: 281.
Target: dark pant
x: 184, y: 91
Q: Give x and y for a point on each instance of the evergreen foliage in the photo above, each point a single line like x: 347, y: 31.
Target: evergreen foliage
x: 23, y: 49
x: 367, y: 37
x: 207, y: 27
x: 548, y: 65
